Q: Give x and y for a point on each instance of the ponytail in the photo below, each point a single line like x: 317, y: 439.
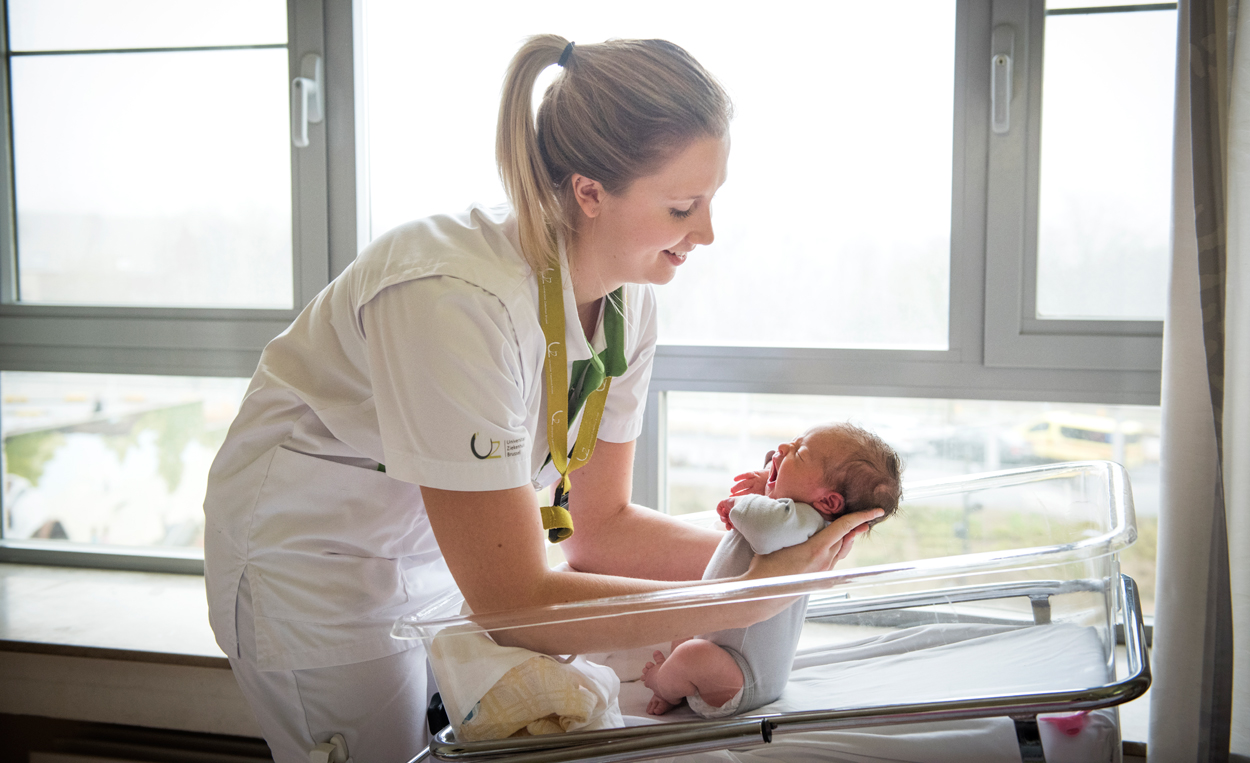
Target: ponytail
x: 525, y: 179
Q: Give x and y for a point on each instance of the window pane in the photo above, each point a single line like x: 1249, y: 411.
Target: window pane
x: 153, y: 179
x: 1106, y: 166
x: 827, y: 156
x: 713, y: 436
x: 109, y: 459
x: 96, y: 24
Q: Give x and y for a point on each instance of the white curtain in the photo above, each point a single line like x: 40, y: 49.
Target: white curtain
x: 1200, y: 700
x: 1237, y: 381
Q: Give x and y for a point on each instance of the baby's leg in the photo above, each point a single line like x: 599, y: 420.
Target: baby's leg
x: 695, y: 666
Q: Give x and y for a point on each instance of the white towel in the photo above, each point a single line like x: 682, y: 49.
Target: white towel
x: 492, y: 691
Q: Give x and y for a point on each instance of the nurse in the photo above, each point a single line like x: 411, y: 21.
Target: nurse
x: 389, y: 446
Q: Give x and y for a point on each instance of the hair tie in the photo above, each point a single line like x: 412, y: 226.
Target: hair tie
x: 564, y: 57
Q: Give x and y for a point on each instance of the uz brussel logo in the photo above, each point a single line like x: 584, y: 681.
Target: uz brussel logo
x: 492, y: 453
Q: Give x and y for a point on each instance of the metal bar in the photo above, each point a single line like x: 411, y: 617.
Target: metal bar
x: 9, y: 274
x: 639, y: 742
x: 1134, y: 635
x: 641, y: 748
x: 636, y: 743
x: 1111, y: 9
x: 445, y: 748
x: 188, y: 49
x: 1030, y: 740
x: 1041, y: 609
x: 949, y: 595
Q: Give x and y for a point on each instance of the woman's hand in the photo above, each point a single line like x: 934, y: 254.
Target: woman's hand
x: 818, y: 553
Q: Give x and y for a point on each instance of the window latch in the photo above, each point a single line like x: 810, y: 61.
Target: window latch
x: 307, y: 99
x: 1002, y: 51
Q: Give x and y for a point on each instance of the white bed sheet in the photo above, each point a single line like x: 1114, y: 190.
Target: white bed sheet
x: 926, y: 663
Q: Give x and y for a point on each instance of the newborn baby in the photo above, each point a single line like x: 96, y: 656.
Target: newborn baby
x: 827, y: 471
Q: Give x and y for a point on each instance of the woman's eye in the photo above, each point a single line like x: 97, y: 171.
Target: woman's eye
x: 681, y: 214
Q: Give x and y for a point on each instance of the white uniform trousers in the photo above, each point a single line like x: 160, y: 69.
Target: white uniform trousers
x: 378, y: 706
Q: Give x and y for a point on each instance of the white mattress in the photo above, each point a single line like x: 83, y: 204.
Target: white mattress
x: 927, y: 663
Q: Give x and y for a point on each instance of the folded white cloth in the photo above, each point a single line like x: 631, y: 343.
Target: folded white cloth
x: 492, y: 692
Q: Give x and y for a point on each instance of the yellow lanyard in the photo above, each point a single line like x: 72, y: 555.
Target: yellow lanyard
x: 556, y: 519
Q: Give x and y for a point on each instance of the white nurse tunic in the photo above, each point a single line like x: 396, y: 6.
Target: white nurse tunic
x: 426, y: 356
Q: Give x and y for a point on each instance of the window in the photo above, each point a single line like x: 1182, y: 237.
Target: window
x: 1080, y: 186
x: 915, y: 189
x: 1104, y: 196
x: 111, y: 460
x: 150, y: 161
x: 157, y: 228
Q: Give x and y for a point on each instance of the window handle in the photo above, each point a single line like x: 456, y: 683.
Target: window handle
x: 1002, y: 48
x: 307, y: 99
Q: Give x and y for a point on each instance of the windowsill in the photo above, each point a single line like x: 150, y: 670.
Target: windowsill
x: 134, y: 616
x: 106, y: 646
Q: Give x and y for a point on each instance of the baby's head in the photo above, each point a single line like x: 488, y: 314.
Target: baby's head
x: 838, y: 468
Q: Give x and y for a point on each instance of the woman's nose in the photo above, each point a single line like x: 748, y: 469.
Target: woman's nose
x: 702, y: 234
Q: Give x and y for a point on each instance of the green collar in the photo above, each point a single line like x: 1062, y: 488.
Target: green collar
x: 588, y: 374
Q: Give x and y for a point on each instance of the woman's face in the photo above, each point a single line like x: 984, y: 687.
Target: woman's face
x: 644, y: 234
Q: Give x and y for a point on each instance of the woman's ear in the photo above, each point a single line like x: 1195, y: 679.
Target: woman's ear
x: 830, y: 503
x: 590, y: 194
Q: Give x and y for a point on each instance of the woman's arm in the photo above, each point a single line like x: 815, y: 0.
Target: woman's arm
x: 612, y: 536
x: 494, y: 545
x: 493, y: 542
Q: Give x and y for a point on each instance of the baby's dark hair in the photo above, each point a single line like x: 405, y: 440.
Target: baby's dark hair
x: 869, y: 475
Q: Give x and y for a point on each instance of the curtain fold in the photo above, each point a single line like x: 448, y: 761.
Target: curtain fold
x: 1191, y: 714
x: 1237, y: 381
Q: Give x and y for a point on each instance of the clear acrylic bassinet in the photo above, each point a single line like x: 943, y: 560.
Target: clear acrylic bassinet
x: 993, y: 632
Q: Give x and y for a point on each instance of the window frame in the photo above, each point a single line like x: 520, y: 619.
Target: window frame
x: 195, y: 341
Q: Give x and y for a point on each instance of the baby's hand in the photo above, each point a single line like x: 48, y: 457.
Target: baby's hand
x: 751, y: 482
x: 723, y: 508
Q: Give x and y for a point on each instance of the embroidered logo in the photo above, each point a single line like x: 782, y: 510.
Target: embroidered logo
x: 510, y: 448
x: 492, y: 453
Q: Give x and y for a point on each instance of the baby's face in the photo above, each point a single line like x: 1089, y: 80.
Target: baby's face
x: 797, y: 468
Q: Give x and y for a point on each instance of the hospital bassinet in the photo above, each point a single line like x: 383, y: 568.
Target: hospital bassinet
x: 998, y: 634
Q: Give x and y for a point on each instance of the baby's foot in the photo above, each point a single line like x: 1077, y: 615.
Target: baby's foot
x: 651, y: 679
x: 651, y: 672
x: 659, y: 706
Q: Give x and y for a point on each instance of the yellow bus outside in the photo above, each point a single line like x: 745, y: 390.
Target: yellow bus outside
x: 1063, y: 436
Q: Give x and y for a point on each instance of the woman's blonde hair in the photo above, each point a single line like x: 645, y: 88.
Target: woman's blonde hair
x: 616, y: 112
